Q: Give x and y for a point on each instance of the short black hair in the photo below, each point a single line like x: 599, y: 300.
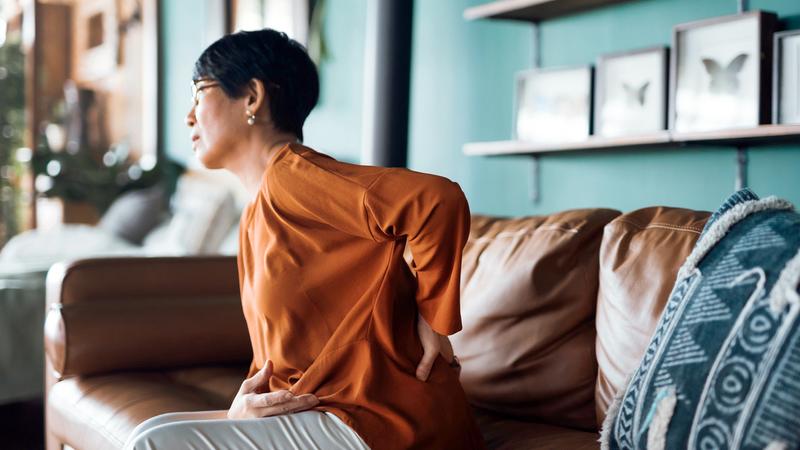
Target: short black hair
x: 281, y: 63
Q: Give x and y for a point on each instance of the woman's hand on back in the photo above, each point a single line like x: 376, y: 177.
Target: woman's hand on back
x: 433, y: 344
x: 252, y: 401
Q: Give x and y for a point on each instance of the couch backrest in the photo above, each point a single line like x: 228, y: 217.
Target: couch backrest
x: 640, y: 255
x: 116, y: 314
x: 529, y: 290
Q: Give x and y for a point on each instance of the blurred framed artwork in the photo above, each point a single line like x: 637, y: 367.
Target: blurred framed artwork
x: 786, y: 78
x: 631, y: 92
x: 720, y: 72
x: 301, y: 20
x: 290, y: 16
x: 553, y: 105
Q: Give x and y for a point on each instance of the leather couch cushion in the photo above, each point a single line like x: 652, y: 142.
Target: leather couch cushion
x: 95, y: 302
x: 639, y: 261
x: 100, y: 412
x: 529, y: 289
x: 722, y: 367
x: 502, y: 433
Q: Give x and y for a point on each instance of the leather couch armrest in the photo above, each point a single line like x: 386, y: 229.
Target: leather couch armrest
x: 139, y: 313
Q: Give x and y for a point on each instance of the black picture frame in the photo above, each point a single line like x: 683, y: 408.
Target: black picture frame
x: 601, y: 96
x: 777, y: 71
x: 766, y: 26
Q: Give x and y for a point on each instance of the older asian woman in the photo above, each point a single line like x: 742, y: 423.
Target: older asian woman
x: 350, y: 346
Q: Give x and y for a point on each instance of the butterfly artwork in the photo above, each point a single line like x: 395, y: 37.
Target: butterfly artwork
x: 631, y: 97
x: 719, y: 72
x: 724, y: 80
x: 635, y: 96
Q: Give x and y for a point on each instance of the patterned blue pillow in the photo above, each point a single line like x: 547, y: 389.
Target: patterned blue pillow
x: 722, y: 369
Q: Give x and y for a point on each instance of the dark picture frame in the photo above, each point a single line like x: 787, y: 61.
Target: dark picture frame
x: 779, y: 63
x: 622, y: 102
x: 708, y: 94
x: 553, y: 105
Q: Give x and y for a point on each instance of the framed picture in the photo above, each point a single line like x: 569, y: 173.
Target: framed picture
x: 786, y: 78
x: 721, y: 72
x: 553, y: 105
x: 631, y: 92
x: 290, y: 16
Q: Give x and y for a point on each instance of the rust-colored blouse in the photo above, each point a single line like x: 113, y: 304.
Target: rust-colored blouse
x: 330, y: 300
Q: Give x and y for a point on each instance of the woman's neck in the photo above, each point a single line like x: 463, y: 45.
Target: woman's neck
x: 252, y: 164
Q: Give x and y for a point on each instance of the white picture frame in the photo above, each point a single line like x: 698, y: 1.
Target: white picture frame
x: 631, y: 92
x: 289, y: 16
x: 786, y: 80
x: 553, y: 105
x: 720, y: 72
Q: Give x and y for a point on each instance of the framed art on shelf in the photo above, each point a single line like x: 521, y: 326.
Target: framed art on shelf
x: 553, y: 105
x: 720, y: 72
x: 631, y: 92
x: 786, y: 78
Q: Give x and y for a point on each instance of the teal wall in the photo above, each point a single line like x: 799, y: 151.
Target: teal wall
x: 462, y: 91
x: 334, y: 125
x: 182, y: 40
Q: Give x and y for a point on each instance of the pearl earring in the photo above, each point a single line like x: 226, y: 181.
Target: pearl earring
x: 251, y: 118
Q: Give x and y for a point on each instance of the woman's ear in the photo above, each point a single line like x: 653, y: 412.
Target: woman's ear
x: 256, y: 96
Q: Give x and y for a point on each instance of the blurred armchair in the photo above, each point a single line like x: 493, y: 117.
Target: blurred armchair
x: 202, y: 219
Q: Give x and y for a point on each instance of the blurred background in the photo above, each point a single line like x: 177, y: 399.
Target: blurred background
x: 94, y: 95
x: 95, y: 158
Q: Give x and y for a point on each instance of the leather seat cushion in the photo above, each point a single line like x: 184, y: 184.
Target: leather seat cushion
x: 528, y: 295
x: 639, y: 261
x: 503, y: 433
x: 100, y: 412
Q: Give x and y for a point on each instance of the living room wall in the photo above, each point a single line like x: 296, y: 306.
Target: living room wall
x: 187, y: 27
x: 462, y: 91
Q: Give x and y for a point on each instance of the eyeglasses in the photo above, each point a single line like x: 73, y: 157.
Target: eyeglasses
x: 197, y: 89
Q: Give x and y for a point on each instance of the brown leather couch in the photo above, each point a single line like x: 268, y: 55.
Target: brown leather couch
x: 557, y: 311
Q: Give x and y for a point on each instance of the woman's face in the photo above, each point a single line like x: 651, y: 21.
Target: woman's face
x: 218, y: 123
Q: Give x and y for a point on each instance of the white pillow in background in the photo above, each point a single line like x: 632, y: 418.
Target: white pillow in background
x: 38, y: 250
x: 230, y: 245
x: 203, y: 211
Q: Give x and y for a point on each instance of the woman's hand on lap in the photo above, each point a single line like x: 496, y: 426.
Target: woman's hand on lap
x: 252, y: 401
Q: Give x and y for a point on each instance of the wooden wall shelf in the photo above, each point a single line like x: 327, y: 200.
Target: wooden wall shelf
x: 761, y: 135
x: 532, y: 10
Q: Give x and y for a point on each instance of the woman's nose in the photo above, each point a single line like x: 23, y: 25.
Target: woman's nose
x: 190, y: 119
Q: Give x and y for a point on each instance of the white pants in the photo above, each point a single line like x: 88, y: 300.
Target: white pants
x: 213, y: 430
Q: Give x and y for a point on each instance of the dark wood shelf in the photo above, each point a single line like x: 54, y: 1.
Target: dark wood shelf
x: 761, y: 135
x: 532, y: 10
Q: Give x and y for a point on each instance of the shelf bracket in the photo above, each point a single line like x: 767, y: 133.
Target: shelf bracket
x: 536, y: 45
x: 742, y: 6
x: 533, y: 186
x: 741, y: 167
x: 536, y: 61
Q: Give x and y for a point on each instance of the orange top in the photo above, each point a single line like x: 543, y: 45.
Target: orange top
x: 330, y: 300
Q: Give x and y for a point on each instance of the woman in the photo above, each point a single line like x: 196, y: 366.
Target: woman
x: 349, y: 346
